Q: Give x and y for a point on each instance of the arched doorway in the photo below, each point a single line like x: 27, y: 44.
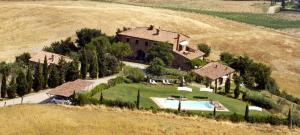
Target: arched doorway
x: 140, y: 55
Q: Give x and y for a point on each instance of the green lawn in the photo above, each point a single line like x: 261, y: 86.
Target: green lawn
x: 128, y: 92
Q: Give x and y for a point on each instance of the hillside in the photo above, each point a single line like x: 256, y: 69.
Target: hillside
x: 92, y: 120
x: 28, y: 26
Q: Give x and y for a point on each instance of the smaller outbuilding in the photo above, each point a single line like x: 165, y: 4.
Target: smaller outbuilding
x: 216, y: 73
x: 67, y: 89
x: 52, y: 58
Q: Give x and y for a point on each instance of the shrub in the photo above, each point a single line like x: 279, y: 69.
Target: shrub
x: 204, y: 48
x: 236, y: 117
x: 134, y: 74
x: 156, y: 66
x: 258, y: 100
x: 196, y: 62
x: 116, y: 81
x: 98, y: 88
x: 85, y: 99
x: 119, y: 103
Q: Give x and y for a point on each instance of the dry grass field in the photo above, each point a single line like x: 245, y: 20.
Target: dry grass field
x: 95, y: 120
x: 28, y: 26
x: 213, y: 5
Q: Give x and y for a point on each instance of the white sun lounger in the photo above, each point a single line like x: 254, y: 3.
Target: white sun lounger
x: 206, y: 89
x: 256, y: 108
x: 152, y: 81
x: 185, y: 89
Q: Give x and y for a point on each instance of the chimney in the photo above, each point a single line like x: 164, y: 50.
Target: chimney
x: 177, y: 43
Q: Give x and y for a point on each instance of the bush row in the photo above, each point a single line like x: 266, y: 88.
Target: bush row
x: 258, y: 100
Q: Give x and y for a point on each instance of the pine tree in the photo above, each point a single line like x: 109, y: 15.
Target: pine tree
x: 72, y: 72
x: 45, y: 72
x: 94, y: 67
x: 3, y: 86
x: 101, y: 98
x: 247, y: 113
x: 21, y: 84
x: 138, y: 100
x: 227, y: 85
x: 11, y: 91
x: 53, y: 80
x: 38, y: 78
x: 62, y: 70
x: 83, y: 68
x: 29, y: 80
x: 290, y: 122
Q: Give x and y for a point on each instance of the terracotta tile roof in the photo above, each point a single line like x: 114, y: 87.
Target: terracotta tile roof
x: 52, y: 58
x: 163, y: 36
x: 214, y: 70
x: 192, y: 53
x: 67, y: 89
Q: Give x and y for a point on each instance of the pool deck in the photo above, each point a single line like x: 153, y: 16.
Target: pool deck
x: 217, y: 104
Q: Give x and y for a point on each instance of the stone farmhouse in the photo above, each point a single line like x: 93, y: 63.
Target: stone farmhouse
x: 142, y: 38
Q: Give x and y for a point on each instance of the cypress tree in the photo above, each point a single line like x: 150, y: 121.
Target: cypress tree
x: 21, y: 84
x: 11, y: 91
x: 83, y: 68
x: 94, y: 67
x: 72, y: 72
x: 138, y: 100
x: 237, y: 82
x: 38, y: 78
x: 290, y: 122
x: 29, y: 80
x: 247, y: 113
x: 227, y: 86
x: 101, y: 98
x: 62, y: 70
x: 237, y: 91
x: 215, y: 111
x: 3, y: 86
x: 45, y: 72
x: 53, y: 80
x: 179, y: 105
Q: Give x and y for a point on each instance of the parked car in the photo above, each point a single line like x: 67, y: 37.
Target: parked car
x: 60, y: 100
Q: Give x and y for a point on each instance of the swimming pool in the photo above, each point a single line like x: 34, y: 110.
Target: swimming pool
x: 185, y: 105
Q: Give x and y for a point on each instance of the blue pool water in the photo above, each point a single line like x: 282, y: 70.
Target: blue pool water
x: 185, y: 105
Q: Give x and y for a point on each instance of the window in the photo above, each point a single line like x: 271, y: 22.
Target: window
x: 136, y: 41
x: 146, y: 43
x: 127, y: 39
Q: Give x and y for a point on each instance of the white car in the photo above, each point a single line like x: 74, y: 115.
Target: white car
x: 60, y: 100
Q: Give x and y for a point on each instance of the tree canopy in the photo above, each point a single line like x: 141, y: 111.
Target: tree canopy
x: 161, y: 50
x: 85, y: 36
x: 204, y: 48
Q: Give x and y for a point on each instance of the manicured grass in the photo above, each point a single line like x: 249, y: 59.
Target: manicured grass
x: 128, y: 92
